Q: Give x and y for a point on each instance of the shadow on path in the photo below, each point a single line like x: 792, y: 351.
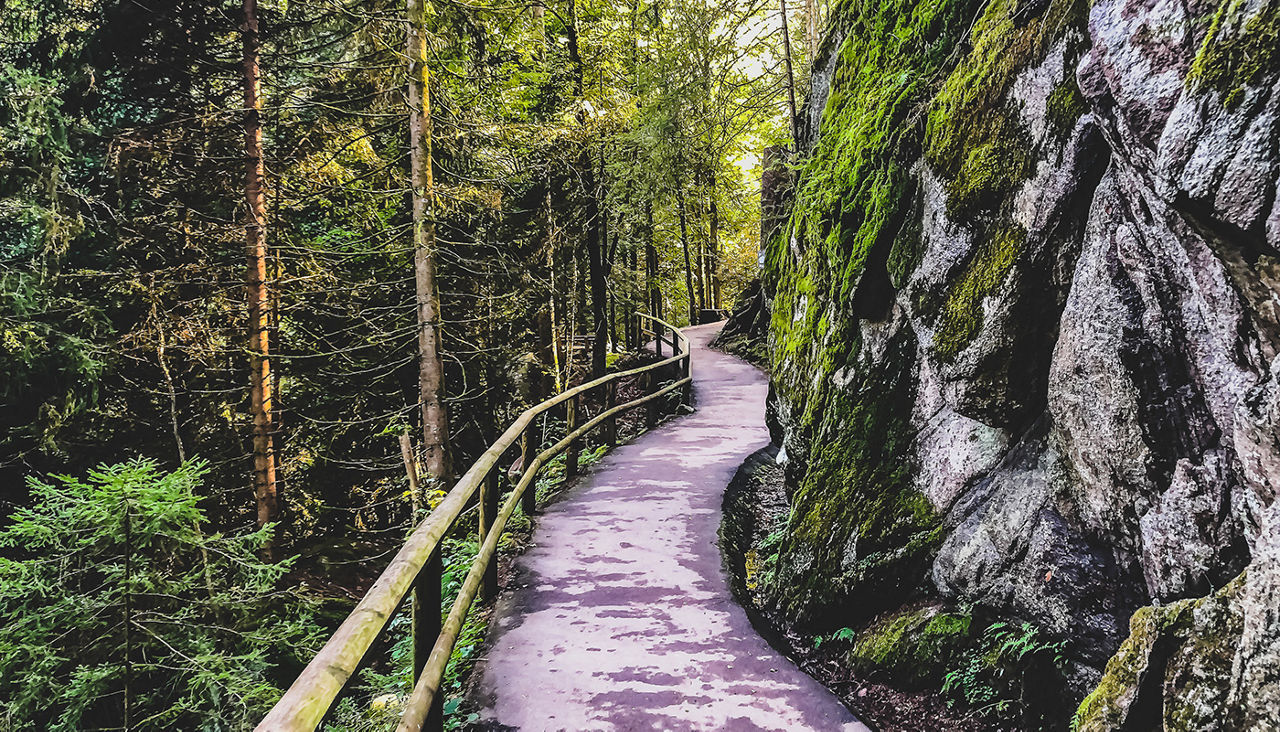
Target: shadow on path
x: 623, y: 618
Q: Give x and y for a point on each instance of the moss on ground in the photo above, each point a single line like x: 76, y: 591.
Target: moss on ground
x: 916, y: 648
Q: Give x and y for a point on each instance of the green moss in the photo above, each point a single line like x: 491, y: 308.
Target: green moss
x: 914, y: 648
x: 1179, y: 657
x: 1233, y: 57
x: 1106, y: 706
x: 1066, y: 105
x: 851, y: 191
x: 973, y: 139
x: 961, y: 316
x: 1005, y: 672
x: 908, y: 247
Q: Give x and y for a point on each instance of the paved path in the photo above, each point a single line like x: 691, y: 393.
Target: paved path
x: 625, y: 620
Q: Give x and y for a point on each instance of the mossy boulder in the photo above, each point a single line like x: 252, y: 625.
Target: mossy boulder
x: 915, y: 648
x: 1174, y: 669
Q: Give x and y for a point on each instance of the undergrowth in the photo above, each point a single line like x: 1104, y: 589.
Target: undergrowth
x: 1007, y: 674
x: 1002, y: 676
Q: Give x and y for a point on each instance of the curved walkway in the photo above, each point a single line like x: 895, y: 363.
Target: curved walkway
x: 624, y: 619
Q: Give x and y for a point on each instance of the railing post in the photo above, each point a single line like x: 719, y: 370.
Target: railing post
x: 686, y: 370
x: 489, y: 495
x: 611, y: 424
x: 657, y: 339
x: 650, y: 385
x: 426, y: 628
x: 571, y: 422
x: 528, y: 501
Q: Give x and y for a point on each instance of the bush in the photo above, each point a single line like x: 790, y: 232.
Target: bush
x: 117, y: 609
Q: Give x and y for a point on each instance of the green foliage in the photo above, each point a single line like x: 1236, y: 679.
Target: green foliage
x: 112, y: 592
x: 1004, y: 671
x: 837, y: 636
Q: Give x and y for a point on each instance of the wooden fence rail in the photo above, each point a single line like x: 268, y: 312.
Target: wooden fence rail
x: 416, y: 567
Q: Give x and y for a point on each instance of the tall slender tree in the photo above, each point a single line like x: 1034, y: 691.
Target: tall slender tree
x: 791, y: 77
x: 435, y: 421
x: 257, y: 292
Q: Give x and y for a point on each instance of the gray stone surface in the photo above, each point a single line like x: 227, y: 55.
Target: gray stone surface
x: 1109, y: 437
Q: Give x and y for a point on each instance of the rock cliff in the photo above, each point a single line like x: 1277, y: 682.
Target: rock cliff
x: 1025, y: 315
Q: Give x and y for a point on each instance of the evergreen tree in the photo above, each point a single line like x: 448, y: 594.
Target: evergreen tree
x: 119, y: 608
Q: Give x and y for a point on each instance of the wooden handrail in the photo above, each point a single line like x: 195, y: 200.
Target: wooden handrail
x: 307, y: 701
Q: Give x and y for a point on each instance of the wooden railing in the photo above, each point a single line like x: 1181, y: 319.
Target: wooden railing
x: 416, y: 567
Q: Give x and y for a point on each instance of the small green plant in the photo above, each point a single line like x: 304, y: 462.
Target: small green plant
x: 843, y: 634
x: 766, y: 553
x: 997, y: 677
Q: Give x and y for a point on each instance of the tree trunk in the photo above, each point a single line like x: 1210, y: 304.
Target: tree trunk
x: 256, y: 291
x: 633, y: 302
x: 556, y: 349
x: 791, y: 77
x: 591, y: 210
x: 540, y: 21
x: 813, y: 27
x: 713, y: 258
x: 435, y: 424
x: 700, y: 253
x: 599, y: 286
x: 684, y: 243
x: 652, y: 289
x: 609, y: 241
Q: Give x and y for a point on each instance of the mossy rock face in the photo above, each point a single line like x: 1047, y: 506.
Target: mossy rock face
x: 1174, y: 669
x: 858, y: 528
x: 915, y: 648
x: 912, y: 81
x: 976, y: 141
x: 1240, y: 49
x: 857, y: 524
x: 961, y: 316
x: 974, y: 136
x: 1066, y: 105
